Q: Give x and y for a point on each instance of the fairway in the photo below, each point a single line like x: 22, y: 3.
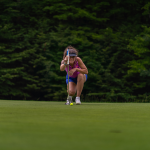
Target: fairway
x: 34, y: 125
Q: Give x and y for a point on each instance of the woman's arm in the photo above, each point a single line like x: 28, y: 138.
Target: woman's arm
x: 62, y: 66
x: 83, y: 69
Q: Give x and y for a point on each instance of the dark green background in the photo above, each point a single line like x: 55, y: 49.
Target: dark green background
x: 112, y: 36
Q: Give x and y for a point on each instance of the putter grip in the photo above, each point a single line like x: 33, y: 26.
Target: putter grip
x: 68, y: 56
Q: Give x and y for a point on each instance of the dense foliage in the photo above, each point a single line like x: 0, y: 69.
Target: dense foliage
x: 113, y: 39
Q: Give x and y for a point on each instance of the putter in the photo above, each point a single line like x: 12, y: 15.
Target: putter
x: 68, y: 73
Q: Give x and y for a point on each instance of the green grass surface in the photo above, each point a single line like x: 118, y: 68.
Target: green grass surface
x: 29, y: 125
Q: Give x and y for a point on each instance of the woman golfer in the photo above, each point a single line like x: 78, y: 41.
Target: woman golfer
x: 77, y: 74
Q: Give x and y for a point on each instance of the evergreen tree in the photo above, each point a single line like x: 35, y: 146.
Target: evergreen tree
x: 34, y: 33
x: 140, y: 67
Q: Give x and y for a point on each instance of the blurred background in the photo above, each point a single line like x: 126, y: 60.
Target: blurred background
x: 112, y: 37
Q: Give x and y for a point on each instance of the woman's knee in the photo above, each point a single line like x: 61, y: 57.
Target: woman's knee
x: 80, y: 76
x: 71, y: 92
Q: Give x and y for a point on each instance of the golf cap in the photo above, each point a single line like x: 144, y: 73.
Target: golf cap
x: 72, y: 52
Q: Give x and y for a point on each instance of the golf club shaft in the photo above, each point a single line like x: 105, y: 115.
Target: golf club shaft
x: 68, y: 71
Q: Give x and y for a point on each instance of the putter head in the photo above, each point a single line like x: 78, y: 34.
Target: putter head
x: 68, y: 101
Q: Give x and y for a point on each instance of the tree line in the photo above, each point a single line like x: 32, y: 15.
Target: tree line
x: 113, y: 39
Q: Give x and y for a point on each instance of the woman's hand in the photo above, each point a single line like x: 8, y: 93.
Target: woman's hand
x: 71, y: 72
x: 66, y: 59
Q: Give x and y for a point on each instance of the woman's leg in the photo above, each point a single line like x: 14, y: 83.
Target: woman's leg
x: 80, y: 83
x: 72, y: 91
x: 72, y: 88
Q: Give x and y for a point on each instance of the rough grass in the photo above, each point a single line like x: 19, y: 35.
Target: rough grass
x: 30, y: 125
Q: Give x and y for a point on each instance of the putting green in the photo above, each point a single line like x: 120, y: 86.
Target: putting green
x: 30, y: 125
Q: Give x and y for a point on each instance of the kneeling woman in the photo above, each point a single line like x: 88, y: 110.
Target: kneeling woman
x: 77, y: 74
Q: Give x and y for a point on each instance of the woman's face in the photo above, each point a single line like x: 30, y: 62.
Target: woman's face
x: 72, y: 59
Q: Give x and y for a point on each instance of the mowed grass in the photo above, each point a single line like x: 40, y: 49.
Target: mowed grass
x: 31, y: 125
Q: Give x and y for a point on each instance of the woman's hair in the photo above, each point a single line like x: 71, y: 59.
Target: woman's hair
x: 71, y: 50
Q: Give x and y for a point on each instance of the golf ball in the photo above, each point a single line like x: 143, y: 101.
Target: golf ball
x: 71, y: 104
